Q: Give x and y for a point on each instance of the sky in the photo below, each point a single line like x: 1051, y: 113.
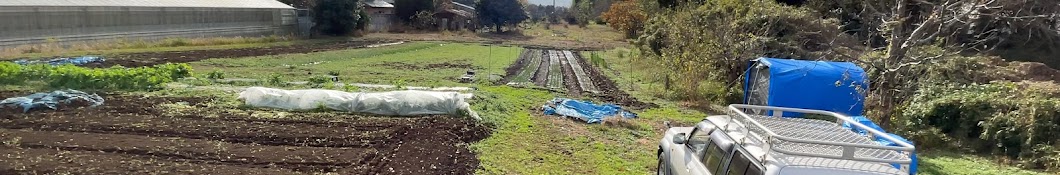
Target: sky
x: 564, y: 3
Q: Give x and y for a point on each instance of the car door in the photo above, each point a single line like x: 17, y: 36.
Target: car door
x: 687, y: 157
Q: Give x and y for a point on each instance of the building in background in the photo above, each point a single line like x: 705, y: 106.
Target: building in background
x: 63, y: 21
x: 381, y: 15
x: 455, y: 16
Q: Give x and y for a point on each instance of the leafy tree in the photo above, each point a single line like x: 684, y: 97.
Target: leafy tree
x: 337, y: 17
x: 625, y: 16
x: 582, y: 12
x: 364, y: 20
x: 406, y: 10
x: 423, y: 20
x: 499, y: 13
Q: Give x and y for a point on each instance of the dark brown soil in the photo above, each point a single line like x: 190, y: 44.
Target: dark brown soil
x: 609, y: 92
x: 541, y: 75
x: 570, y: 80
x: 133, y: 135
x: 153, y: 58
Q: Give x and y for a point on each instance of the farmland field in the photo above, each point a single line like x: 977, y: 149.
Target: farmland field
x: 147, y: 134
x: 198, y: 126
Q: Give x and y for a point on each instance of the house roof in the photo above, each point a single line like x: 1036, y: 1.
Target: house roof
x: 149, y: 3
x: 378, y: 4
x: 458, y: 12
x: 463, y: 6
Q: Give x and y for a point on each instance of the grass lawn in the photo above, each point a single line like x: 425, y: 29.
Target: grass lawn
x: 945, y: 162
x: 526, y: 142
x: 416, y: 63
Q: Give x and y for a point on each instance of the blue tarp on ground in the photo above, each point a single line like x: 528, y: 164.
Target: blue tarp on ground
x: 584, y: 110
x: 61, y: 61
x: 52, y: 100
x: 821, y: 85
x: 865, y: 121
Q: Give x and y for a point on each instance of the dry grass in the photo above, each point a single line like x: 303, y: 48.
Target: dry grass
x: 54, y: 47
x: 592, y: 37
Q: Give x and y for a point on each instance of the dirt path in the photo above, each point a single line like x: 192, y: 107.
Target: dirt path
x: 541, y: 77
x: 132, y: 135
x: 153, y: 58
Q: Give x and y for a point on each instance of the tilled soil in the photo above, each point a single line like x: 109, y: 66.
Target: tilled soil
x: 133, y: 135
x: 153, y: 58
x: 569, y: 80
x: 541, y: 77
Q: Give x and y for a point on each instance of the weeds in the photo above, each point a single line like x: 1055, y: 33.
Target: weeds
x: 276, y: 80
x: 215, y: 75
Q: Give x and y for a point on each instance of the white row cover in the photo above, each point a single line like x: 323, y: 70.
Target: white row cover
x: 395, y: 103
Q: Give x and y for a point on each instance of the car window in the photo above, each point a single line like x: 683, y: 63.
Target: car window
x: 698, y: 142
x: 754, y: 170
x: 741, y: 165
x: 712, y: 160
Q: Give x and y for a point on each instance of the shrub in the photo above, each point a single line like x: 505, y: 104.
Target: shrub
x: 999, y: 118
x: 713, y: 40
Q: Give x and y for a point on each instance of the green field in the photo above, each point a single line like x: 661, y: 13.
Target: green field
x: 417, y: 63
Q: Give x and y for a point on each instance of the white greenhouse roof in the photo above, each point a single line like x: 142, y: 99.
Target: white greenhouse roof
x: 149, y: 3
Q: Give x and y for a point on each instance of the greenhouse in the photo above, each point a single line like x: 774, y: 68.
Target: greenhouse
x: 64, y: 21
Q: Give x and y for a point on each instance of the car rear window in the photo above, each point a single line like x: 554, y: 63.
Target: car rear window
x: 741, y: 165
x: 712, y: 160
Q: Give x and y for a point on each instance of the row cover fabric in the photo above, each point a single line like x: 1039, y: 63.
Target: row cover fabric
x: 821, y: 85
x: 584, y: 110
x: 52, y: 100
x: 395, y: 103
x: 61, y: 61
x: 865, y: 121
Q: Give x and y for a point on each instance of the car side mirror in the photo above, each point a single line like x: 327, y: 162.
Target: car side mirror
x: 679, y: 138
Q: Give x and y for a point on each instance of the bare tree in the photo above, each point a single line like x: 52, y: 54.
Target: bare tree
x: 968, y: 25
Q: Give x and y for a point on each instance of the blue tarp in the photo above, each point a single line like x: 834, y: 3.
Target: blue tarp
x: 821, y: 85
x: 52, y: 100
x: 61, y: 61
x: 865, y: 121
x: 584, y: 110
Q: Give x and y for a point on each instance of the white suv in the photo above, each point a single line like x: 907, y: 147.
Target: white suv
x: 739, y: 144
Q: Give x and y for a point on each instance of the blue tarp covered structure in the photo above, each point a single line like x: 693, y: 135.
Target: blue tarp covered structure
x: 61, y: 61
x: 584, y: 110
x: 821, y: 85
x: 52, y: 100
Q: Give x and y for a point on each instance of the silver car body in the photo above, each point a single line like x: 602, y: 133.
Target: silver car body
x: 796, y: 146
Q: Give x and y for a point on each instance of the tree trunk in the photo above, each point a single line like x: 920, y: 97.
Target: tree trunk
x: 497, y: 28
x: 886, y: 90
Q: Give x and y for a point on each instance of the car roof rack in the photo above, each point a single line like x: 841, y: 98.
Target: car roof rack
x: 816, y: 138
